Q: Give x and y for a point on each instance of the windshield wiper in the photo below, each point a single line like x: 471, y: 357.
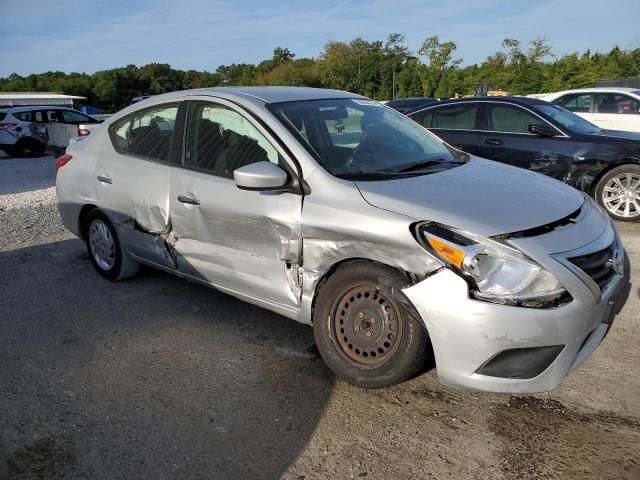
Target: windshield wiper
x: 426, y: 163
x: 378, y: 174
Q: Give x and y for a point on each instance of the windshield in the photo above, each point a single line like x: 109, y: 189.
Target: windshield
x: 359, y: 138
x: 567, y: 119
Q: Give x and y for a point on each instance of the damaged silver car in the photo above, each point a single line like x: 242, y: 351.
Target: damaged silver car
x: 336, y: 211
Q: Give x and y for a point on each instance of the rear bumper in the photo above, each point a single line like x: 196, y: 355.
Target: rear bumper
x: 466, y: 333
x: 70, y: 216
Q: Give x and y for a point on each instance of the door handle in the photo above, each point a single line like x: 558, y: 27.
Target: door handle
x: 188, y: 200
x: 102, y: 179
x: 493, y: 141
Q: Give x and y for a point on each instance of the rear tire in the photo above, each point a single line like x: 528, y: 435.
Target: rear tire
x: 27, y: 147
x: 618, y: 192
x: 364, y: 329
x: 105, y: 250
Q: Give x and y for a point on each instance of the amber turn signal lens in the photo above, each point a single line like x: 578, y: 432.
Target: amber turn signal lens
x: 446, y: 251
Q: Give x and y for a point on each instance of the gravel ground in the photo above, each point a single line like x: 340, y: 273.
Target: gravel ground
x: 159, y: 378
x: 28, y: 211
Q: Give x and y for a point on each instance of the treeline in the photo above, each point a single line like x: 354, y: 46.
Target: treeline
x: 373, y: 69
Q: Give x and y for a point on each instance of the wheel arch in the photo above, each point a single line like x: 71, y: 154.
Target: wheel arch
x: 621, y: 163
x: 411, y: 278
x: 29, y: 138
x: 82, y: 218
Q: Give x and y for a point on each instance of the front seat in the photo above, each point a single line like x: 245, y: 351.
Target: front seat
x: 239, y: 151
x: 608, y: 105
x: 208, y: 144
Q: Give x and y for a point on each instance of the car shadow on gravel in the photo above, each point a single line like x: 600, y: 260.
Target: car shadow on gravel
x: 150, y: 378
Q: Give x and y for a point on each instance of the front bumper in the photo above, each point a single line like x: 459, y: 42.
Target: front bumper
x: 466, y: 333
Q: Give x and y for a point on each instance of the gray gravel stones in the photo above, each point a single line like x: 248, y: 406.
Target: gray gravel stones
x: 28, y: 210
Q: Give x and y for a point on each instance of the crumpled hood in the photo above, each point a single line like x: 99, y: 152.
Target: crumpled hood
x: 482, y: 197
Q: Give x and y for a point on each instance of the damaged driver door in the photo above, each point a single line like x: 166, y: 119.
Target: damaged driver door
x: 245, y: 242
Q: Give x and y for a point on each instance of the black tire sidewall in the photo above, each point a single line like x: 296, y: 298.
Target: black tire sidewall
x: 31, y: 145
x: 603, y: 181
x: 114, y: 272
x: 411, y: 353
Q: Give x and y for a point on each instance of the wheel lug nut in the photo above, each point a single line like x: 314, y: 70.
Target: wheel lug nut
x: 373, y: 320
x: 357, y: 328
x: 368, y: 334
x: 361, y: 314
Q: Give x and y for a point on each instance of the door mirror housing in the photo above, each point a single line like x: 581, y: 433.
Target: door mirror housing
x: 542, y: 130
x: 261, y: 176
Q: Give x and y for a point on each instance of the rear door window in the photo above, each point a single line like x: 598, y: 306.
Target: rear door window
x: 146, y: 133
x: 511, y: 119
x: 616, y: 103
x: 54, y: 116
x: 450, y: 117
x: 576, y: 102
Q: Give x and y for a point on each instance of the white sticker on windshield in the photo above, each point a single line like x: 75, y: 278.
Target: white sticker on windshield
x: 366, y: 102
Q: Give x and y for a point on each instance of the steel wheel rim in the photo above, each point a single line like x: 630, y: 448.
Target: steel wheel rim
x: 366, y: 326
x: 621, y: 195
x: 102, y: 244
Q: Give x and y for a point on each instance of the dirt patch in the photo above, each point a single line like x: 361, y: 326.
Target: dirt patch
x: 544, y: 439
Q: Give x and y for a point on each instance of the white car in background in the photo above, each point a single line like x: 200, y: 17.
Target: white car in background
x: 25, y: 131
x: 612, y: 108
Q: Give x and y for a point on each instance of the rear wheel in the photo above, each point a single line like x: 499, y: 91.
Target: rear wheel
x: 364, y: 329
x: 618, y: 191
x: 27, y: 147
x: 106, y: 252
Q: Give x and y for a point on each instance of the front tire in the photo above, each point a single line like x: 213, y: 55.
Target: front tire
x: 618, y: 192
x: 364, y: 329
x: 105, y: 250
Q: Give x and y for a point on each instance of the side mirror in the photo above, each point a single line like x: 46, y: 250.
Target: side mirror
x: 260, y: 176
x: 542, y: 130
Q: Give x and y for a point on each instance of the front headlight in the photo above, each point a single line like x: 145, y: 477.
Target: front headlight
x: 496, y: 272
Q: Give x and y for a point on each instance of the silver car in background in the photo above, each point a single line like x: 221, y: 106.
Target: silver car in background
x: 334, y: 210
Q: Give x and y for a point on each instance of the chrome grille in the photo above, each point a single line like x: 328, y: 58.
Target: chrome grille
x: 598, y: 265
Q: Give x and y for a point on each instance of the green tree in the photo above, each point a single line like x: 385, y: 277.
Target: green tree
x: 300, y: 73
x: 359, y: 66
x: 408, y: 80
x: 237, y: 74
x: 441, y: 62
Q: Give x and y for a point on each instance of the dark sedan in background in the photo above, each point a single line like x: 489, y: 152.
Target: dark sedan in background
x: 537, y: 135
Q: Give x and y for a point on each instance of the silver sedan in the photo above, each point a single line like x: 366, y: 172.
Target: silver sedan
x: 336, y: 211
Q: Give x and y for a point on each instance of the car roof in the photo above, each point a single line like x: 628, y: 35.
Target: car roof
x: 513, y: 99
x: 36, y: 107
x: 262, y: 94
x: 627, y: 90
x: 399, y: 101
x: 599, y: 89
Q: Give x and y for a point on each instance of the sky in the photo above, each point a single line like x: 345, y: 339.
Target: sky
x: 91, y: 35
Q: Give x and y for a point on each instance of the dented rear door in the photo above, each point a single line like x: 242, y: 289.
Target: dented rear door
x: 133, y: 180
x: 246, y: 242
